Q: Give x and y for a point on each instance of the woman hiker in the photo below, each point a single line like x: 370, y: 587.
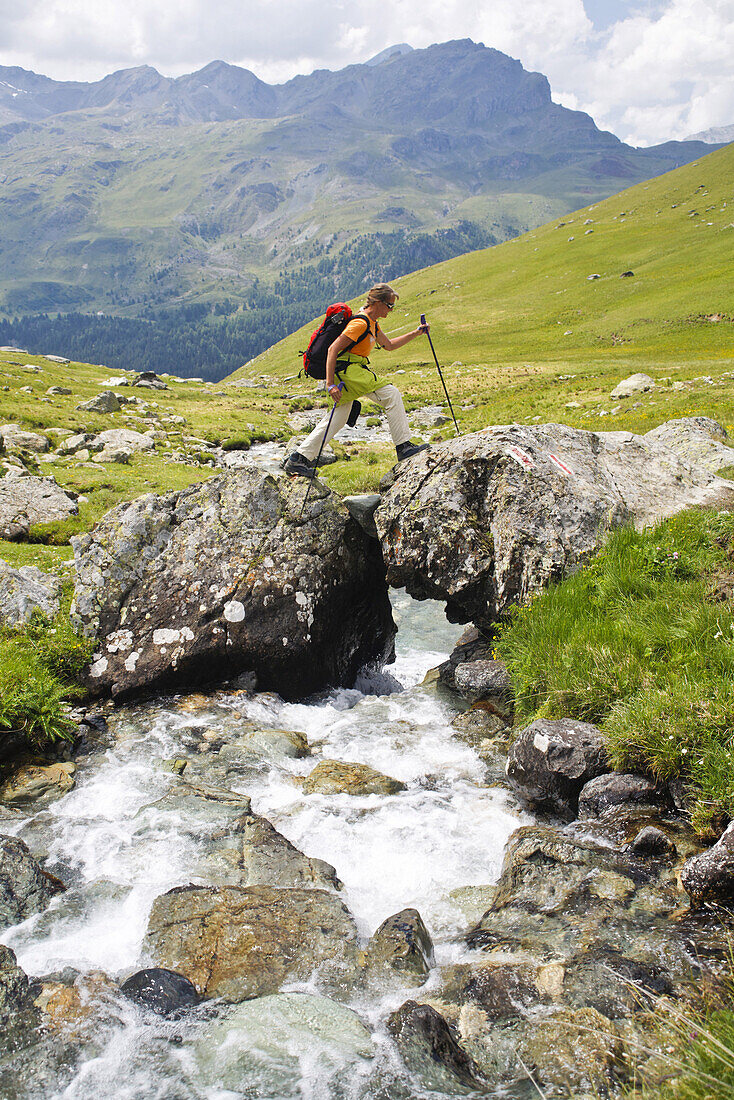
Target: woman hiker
x: 347, y: 363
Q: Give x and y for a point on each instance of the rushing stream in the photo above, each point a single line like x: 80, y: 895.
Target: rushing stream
x: 118, y: 843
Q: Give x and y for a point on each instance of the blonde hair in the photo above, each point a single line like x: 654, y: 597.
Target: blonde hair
x: 382, y: 292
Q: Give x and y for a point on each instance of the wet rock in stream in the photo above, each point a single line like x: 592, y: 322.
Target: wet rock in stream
x: 16, y: 1001
x: 709, y: 876
x: 251, y: 852
x: 431, y: 1052
x: 25, y: 888
x: 268, y: 1040
x: 237, y: 943
x: 36, y: 780
x: 162, y: 991
x: 400, y: 951
x: 345, y: 777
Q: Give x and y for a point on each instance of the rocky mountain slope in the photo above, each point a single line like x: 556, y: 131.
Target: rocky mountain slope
x: 140, y: 195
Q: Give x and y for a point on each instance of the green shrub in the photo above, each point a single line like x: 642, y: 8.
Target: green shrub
x: 40, y: 667
x: 636, y: 644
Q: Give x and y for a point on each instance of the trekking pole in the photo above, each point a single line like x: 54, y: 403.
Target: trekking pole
x: 318, y: 456
x: 440, y: 375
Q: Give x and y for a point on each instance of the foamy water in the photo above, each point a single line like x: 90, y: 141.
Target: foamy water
x: 119, y: 848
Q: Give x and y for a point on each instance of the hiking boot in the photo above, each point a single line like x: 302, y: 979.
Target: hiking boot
x: 297, y: 465
x: 408, y: 449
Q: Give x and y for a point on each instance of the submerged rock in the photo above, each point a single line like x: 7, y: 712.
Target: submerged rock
x: 571, y: 1052
x: 486, y: 520
x: 653, y: 843
x: 25, y: 888
x: 344, y: 777
x: 551, y: 761
x: 237, y: 943
x: 259, y: 1048
x: 224, y: 577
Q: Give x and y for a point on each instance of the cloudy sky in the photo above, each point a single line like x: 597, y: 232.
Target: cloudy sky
x: 648, y: 71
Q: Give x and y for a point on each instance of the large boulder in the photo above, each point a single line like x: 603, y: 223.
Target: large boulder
x: 26, y: 590
x: 486, y: 520
x: 696, y: 439
x: 551, y: 761
x: 25, y: 888
x: 28, y: 500
x: 226, y: 576
x: 16, y: 438
x: 114, y: 438
x: 105, y: 402
x: 237, y: 943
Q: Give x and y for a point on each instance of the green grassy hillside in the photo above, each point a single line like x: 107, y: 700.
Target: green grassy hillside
x: 528, y: 331
x: 521, y: 332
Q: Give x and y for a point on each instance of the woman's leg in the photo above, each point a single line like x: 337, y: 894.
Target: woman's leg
x: 312, y: 443
x: 391, y: 400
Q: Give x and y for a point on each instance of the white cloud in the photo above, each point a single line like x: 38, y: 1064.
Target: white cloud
x: 660, y: 71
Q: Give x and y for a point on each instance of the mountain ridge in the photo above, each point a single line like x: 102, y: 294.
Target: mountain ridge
x: 144, y: 195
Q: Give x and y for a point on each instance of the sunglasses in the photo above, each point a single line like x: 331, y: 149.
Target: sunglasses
x: 389, y: 305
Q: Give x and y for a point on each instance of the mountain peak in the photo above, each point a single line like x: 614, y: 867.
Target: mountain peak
x: 389, y: 53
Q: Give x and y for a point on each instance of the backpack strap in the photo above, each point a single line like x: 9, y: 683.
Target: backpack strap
x: 358, y: 317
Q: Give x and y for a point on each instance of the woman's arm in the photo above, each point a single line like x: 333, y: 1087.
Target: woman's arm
x: 332, y: 355
x: 392, y: 345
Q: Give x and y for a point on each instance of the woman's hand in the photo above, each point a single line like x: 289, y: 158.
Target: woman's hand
x: 334, y: 391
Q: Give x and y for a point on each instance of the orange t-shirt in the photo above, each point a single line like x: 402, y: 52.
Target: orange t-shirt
x: 365, y: 343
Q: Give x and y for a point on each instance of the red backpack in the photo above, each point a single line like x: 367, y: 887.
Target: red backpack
x: 336, y: 320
